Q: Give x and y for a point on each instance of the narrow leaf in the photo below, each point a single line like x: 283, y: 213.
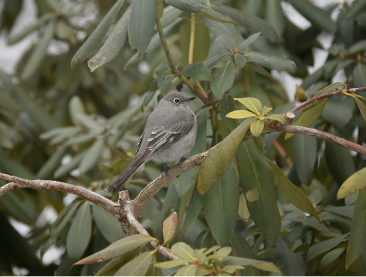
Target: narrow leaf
x: 107, y: 224
x: 189, y: 270
x: 292, y: 193
x: 240, y: 60
x: 362, y: 107
x: 116, y: 249
x: 92, y: 156
x: 96, y: 37
x: 79, y: 234
x: 277, y: 117
x: 353, y: 184
x: 262, y: 265
x: 221, y: 205
x: 224, y: 80
x: 225, y: 42
x: 324, y: 246
x: 256, y: 127
x: 193, y: 6
x: 141, y: 24
x: 113, y: 45
x: 136, y: 267
x: 270, y: 61
x: 246, y: 43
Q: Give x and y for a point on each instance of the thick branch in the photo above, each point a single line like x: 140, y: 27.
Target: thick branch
x: 17, y: 183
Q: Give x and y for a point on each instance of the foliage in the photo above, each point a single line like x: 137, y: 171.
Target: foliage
x: 277, y: 203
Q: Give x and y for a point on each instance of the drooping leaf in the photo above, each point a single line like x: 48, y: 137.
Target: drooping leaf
x: 96, y: 37
x: 79, y: 234
x: 274, y: 15
x: 357, y: 240
x: 353, y: 184
x: 136, y: 267
x: 92, y: 156
x: 219, y: 159
x: 262, y: 265
x: 362, y: 107
x: 315, y: 15
x: 305, y: 156
x: 255, y: 173
x: 193, y: 210
x: 193, y: 6
x: 107, y: 224
x: 292, y: 193
x: 252, y: 23
x: 40, y: 51
x: 117, y: 248
x: 113, y: 44
x: 141, y: 25
x: 170, y: 226
x: 324, y: 246
x: 270, y: 61
x: 223, y: 80
x: 221, y: 204
x: 359, y: 75
x: 294, y: 263
x: 197, y: 71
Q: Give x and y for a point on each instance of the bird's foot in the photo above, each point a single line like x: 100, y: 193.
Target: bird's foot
x: 166, y: 168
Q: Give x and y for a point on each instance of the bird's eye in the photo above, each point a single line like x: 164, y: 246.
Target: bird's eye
x: 176, y: 100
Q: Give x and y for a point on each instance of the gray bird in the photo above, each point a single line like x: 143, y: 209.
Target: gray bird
x: 169, y: 135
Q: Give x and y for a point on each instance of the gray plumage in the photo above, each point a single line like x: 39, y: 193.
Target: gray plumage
x: 169, y: 135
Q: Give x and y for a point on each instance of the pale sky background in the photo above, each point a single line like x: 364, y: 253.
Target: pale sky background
x: 10, y: 55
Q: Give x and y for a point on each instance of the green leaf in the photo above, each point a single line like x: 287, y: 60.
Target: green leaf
x: 356, y: 8
x: 197, y: 71
x: 39, y: 52
x: 251, y: 103
x: 240, y: 59
x: 277, y: 117
x: 92, y: 156
x: 227, y: 104
x: 246, y: 43
x: 115, y: 264
x: 96, y: 37
x: 219, y: 28
x: 52, y: 163
x: 262, y: 265
x: 183, y: 251
x: 240, y: 114
x: 305, y: 155
x: 252, y: 23
x: 294, y: 264
x: 141, y: 24
x: 224, y: 80
x: 192, y: 6
x: 358, y: 47
x: 210, y: 14
x: 255, y: 173
x: 189, y: 270
x: 113, y: 45
x: 173, y: 263
x: 359, y: 75
x: 231, y: 268
x: 210, y: 63
x: 339, y: 162
x: 219, y: 159
x: 136, y: 267
x: 116, y: 249
x: 256, y: 127
x: 193, y: 210
x: 324, y: 246
x: 295, y: 195
x: 225, y: 42
x: 270, y: 61
x: 221, y: 205
x: 357, y: 240
x: 79, y: 234
x: 169, y: 227
x: 107, y: 224
x: 29, y: 29
x: 353, y: 184
x: 315, y: 15
x: 331, y: 256
x: 362, y: 107
x: 66, y: 168
x: 273, y: 14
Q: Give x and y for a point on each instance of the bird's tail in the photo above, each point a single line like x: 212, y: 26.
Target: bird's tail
x: 134, y: 165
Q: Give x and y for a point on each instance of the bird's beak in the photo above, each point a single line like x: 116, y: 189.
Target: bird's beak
x: 190, y: 99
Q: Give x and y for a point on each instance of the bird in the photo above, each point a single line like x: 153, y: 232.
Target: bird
x: 169, y: 135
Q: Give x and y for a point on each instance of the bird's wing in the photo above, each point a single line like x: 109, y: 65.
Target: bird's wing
x: 161, y: 136
x: 140, y: 142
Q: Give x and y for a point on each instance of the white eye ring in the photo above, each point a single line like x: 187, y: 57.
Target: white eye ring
x: 176, y: 100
